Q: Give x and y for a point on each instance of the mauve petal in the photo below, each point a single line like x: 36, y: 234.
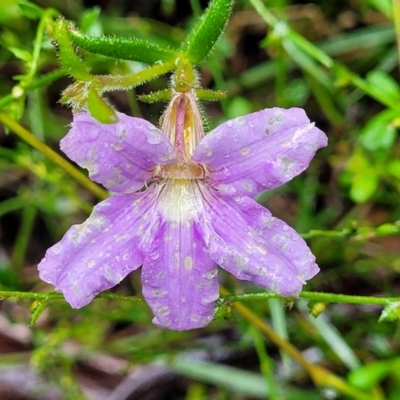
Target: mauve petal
x: 179, y: 278
x: 99, y: 253
x: 280, y: 235
x: 120, y: 156
x: 259, y: 151
x: 245, y: 240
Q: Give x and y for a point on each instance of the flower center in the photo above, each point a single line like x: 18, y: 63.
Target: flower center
x: 183, y: 170
x: 182, y: 123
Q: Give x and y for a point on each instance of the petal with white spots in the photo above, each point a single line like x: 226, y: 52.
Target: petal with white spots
x: 179, y: 278
x: 97, y: 254
x: 244, y: 239
x: 259, y: 151
x: 121, y: 156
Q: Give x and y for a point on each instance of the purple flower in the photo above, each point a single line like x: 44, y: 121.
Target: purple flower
x: 196, y: 211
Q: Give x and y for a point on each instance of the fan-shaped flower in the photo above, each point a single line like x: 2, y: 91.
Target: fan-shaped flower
x: 195, y: 210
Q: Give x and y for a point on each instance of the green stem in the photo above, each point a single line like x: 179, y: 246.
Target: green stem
x: 44, y: 20
x: 46, y: 296
x: 316, y: 296
x: 345, y: 233
x: 32, y: 140
x: 125, y: 82
x: 357, y: 234
x: 266, y: 364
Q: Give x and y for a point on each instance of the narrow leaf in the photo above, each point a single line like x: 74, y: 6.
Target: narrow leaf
x: 391, y: 312
x: 367, y: 376
x: 383, y: 84
x: 235, y: 380
x: 99, y: 108
x: 154, y: 97
x: 207, y: 31
x: 333, y: 338
x: 379, y: 132
x: 123, y: 48
x: 89, y: 21
x: 70, y: 62
x: 210, y: 95
x: 37, y: 309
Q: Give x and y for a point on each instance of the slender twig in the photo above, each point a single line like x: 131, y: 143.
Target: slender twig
x: 316, y: 296
x: 46, y: 296
x: 231, y: 298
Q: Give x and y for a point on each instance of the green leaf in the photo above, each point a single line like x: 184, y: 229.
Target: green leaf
x: 391, y: 312
x: 89, y: 19
x: 30, y: 10
x: 70, y: 62
x: 37, y: 309
x: 364, y: 177
x: 99, y: 108
x: 123, y: 48
x: 384, y: 6
x: 235, y: 380
x: 384, y: 85
x: 364, y: 185
x: 367, y: 376
x: 387, y: 229
x: 22, y: 54
x: 207, y: 30
x: 153, y: 97
x: 210, y: 95
x: 379, y: 132
x: 332, y: 337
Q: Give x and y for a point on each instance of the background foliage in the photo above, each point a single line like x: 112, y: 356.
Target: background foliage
x: 338, y: 60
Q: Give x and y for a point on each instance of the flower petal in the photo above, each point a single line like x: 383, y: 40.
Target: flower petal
x: 120, y: 156
x: 99, y: 253
x: 179, y: 278
x: 259, y: 151
x: 244, y: 239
